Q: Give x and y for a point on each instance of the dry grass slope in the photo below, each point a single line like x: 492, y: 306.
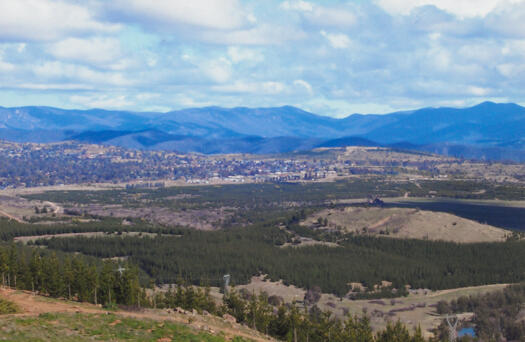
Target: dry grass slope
x: 407, y: 223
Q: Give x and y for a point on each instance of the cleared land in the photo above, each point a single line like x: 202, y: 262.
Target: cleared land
x: 202, y: 219
x: 405, y: 223
x: 22, y: 210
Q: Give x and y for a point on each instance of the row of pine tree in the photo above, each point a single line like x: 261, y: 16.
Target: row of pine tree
x: 70, y: 277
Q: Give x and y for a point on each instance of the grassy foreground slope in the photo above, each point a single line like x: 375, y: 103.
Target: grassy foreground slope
x: 39, y: 318
x: 87, y: 327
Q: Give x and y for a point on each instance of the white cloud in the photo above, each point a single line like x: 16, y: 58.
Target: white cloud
x: 337, y: 40
x: 237, y: 87
x: 263, y: 34
x: 484, y: 53
x: 462, y: 8
x: 273, y: 87
x: 514, y: 48
x: 97, y: 50
x: 512, y: 70
x: 478, y: 91
x: 298, y: 5
x: 508, y: 21
x: 66, y: 72
x: 5, y: 67
x: 217, y: 70
x: 169, y: 14
x: 28, y: 20
x: 305, y: 85
x: 238, y: 55
x: 268, y: 87
x: 55, y: 86
x: 440, y: 58
x: 101, y: 101
x: 321, y: 15
x: 147, y: 96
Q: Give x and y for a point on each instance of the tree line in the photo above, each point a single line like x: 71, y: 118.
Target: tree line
x: 70, y: 277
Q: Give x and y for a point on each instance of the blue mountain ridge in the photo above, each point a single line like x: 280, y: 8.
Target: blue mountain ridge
x: 485, y: 131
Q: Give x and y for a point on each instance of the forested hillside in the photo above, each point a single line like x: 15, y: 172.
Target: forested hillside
x: 204, y: 257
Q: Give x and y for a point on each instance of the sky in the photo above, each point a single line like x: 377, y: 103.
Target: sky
x: 329, y: 57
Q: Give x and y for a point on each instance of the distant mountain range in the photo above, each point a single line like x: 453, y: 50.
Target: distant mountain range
x: 486, y: 131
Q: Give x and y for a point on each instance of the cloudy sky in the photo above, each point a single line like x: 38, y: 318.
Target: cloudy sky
x: 330, y: 57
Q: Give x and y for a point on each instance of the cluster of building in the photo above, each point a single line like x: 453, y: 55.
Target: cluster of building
x: 27, y: 165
